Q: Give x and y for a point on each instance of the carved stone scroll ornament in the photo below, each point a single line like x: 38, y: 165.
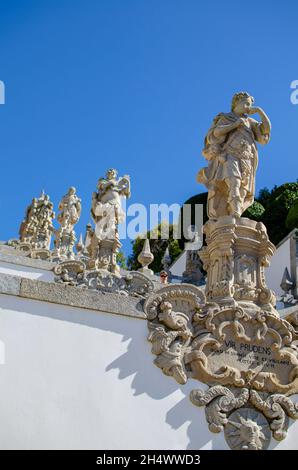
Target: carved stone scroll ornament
x: 170, y: 313
x: 248, y: 417
x: 249, y: 360
x: 218, y: 345
x: 74, y: 273
x: 232, y: 347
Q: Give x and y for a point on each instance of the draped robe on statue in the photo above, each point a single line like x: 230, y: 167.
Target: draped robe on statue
x: 233, y: 160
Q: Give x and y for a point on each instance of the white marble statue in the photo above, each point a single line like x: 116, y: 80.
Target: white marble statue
x: 230, y: 148
x: 106, y: 208
x: 70, y: 210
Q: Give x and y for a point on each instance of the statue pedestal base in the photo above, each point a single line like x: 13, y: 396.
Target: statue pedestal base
x: 106, y: 256
x: 237, y: 252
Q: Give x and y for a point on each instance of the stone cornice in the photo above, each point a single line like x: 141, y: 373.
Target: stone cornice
x: 21, y: 260
x: 71, y: 296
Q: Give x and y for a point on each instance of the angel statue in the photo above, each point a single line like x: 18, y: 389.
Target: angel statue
x: 106, y: 210
x: 230, y: 148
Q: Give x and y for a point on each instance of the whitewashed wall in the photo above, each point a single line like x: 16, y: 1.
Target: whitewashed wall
x: 78, y: 379
x: 179, y: 265
x: 279, y: 261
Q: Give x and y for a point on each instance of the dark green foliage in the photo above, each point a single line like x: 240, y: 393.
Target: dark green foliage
x: 292, y: 217
x: 277, y: 208
x: 198, y: 199
x: 158, y: 247
x: 255, y: 212
x: 270, y: 207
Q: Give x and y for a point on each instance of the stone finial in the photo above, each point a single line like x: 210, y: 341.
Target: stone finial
x: 145, y: 258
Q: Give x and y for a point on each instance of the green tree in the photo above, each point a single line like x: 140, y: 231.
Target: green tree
x: 292, y: 217
x: 158, y: 245
x: 255, y: 212
x: 272, y: 207
x: 121, y: 260
x: 282, y: 198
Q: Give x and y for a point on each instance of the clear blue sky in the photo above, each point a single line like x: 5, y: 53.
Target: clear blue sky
x: 134, y: 84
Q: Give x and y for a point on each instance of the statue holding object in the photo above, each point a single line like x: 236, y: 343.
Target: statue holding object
x: 103, y: 242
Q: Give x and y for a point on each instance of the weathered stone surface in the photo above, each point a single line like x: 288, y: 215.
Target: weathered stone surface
x: 103, y: 242
x: 82, y: 298
x: 248, y: 418
x: 237, y: 252
x: 232, y: 155
x: 228, y: 346
x: 233, y: 340
x: 234, y: 348
x: 21, y: 260
x: 37, y: 227
x: 70, y: 211
x: 11, y: 249
x: 9, y: 284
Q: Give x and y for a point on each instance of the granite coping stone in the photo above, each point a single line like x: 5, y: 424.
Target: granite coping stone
x: 19, y: 259
x: 72, y: 296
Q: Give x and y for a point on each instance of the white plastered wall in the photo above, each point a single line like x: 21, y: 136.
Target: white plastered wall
x: 79, y: 379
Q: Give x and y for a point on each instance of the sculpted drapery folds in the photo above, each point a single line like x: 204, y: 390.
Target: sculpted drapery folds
x: 106, y: 208
x: 70, y: 210
x: 230, y: 148
x: 103, y: 242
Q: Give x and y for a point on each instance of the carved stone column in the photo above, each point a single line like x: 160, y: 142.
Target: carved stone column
x: 237, y: 252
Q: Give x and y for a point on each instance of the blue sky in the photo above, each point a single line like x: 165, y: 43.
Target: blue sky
x: 134, y: 84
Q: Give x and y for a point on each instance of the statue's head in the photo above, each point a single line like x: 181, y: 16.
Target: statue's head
x: 242, y: 102
x: 111, y: 174
x: 72, y: 191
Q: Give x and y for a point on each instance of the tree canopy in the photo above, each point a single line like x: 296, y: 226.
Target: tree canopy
x: 276, y: 208
x: 158, y: 246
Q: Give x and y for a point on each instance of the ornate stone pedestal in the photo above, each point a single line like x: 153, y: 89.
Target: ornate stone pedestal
x: 105, y: 257
x: 233, y: 340
x: 237, y: 252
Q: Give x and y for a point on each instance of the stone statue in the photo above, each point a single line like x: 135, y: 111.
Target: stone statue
x: 29, y: 224
x: 70, y: 211
x: 106, y: 208
x: 230, y: 148
x: 103, y: 242
x: 37, y: 227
